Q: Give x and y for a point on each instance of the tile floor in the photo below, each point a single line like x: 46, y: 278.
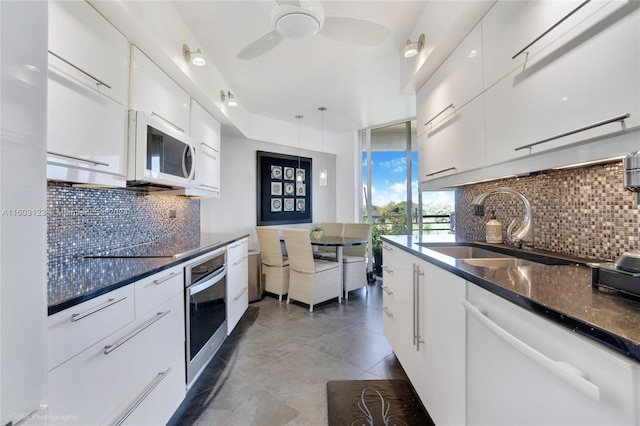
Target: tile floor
x: 273, y: 369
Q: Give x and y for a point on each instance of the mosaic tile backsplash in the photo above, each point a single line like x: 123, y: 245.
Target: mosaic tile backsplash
x: 85, y: 220
x: 582, y: 212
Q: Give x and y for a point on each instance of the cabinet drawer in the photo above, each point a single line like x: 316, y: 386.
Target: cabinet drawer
x: 236, y: 251
x: 113, y: 372
x: 75, y: 329
x: 157, y: 289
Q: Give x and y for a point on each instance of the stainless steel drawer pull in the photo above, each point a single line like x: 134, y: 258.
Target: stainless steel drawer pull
x: 387, y: 269
x: 386, y: 311
x: 549, y: 30
x: 112, y: 301
x: 440, y: 171
x: 239, y: 261
x: 240, y: 294
x: 97, y: 163
x: 439, y: 114
x: 386, y: 290
x: 620, y: 118
x: 167, y: 121
x: 161, y: 280
x: 159, y: 378
x: 210, y: 186
x: 110, y: 348
x: 100, y: 82
x: 209, y: 146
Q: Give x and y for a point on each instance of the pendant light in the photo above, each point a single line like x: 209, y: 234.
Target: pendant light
x: 298, y: 174
x: 323, y: 171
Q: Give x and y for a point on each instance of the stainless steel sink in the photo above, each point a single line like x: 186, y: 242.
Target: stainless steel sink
x: 466, y: 252
x: 499, y: 262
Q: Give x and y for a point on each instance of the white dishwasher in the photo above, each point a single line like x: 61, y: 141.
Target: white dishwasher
x: 525, y: 370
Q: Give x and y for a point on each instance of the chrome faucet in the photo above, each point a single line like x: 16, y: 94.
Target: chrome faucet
x: 524, y: 234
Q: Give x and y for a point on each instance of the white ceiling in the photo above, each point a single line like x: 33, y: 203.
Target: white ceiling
x: 359, y: 85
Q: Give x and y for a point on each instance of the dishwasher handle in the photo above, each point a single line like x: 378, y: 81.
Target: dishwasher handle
x: 569, y: 373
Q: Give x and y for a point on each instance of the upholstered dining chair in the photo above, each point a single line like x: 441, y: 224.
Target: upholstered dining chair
x: 331, y: 229
x: 275, y: 266
x: 311, y: 281
x: 354, y: 258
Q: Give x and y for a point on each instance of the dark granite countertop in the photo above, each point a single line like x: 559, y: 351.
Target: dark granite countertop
x: 560, y: 293
x: 76, y: 280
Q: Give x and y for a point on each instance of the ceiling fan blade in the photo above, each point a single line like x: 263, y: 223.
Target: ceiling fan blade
x: 354, y: 30
x: 260, y: 46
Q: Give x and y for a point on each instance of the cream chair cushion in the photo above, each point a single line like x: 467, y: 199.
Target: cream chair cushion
x: 275, y: 266
x: 311, y: 281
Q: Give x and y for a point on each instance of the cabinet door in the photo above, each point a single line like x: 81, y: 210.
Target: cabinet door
x: 237, y: 282
x: 155, y: 93
x: 518, y: 363
x: 442, y: 388
x: 455, y: 143
x: 454, y: 84
x: 205, y: 135
x: 97, y: 51
x: 587, y: 77
x: 115, y: 372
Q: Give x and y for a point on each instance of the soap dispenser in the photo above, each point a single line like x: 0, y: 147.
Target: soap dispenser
x: 494, y: 229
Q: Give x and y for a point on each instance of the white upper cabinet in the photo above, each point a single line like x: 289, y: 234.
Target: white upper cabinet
x: 454, y: 84
x: 205, y: 137
x: 155, y: 93
x: 87, y: 96
x: 587, y: 76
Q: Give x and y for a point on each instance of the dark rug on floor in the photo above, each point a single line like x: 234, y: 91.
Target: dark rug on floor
x: 374, y: 402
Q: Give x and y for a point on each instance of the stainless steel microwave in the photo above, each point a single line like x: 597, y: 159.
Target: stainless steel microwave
x: 160, y: 156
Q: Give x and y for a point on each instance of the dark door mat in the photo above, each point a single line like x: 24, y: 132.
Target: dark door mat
x: 374, y: 402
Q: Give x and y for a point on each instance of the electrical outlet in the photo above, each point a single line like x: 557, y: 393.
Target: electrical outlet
x: 172, y: 213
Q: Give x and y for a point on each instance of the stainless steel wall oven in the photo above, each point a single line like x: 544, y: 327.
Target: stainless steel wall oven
x: 205, y: 310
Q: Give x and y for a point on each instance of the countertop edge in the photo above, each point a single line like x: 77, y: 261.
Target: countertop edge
x: 171, y: 262
x: 605, y: 337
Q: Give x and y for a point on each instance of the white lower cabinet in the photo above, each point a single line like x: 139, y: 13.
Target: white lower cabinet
x: 523, y: 369
x: 430, y: 339
x: 237, y: 282
x: 134, y: 375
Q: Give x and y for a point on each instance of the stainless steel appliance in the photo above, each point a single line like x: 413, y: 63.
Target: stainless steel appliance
x: 160, y: 156
x: 205, y: 310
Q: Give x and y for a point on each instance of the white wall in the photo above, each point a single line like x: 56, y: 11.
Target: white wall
x: 235, y: 211
x: 349, y: 173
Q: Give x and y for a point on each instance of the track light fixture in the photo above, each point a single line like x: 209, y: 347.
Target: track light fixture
x: 411, y: 49
x: 228, y: 98
x: 195, y: 58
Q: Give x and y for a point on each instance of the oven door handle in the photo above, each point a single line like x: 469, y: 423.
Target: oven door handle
x: 217, y: 277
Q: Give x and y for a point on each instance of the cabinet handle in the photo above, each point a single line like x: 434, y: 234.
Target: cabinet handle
x: 159, y: 378
x: 386, y: 290
x: 239, y: 261
x: 440, y: 113
x: 167, y: 121
x: 237, y: 245
x: 240, y: 294
x: 417, y: 273
x: 549, y: 30
x: 620, y: 118
x: 110, y: 348
x: 387, y: 270
x: 386, y: 311
x: 209, y: 146
x: 112, y: 301
x: 440, y: 171
x: 98, y: 81
x: 161, y: 280
x: 96, y: 163
x: 571, y: 374
x: 210, y: 186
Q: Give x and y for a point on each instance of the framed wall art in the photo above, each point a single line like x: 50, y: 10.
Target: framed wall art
x: 284, y: 189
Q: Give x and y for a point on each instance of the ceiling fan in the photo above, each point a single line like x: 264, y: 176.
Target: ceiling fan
x: 305, y: 18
